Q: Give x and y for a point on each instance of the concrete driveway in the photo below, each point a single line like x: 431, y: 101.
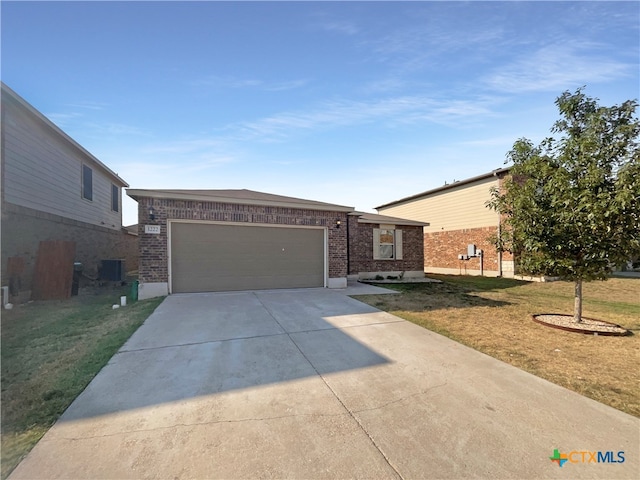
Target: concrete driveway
x: 314, y: 384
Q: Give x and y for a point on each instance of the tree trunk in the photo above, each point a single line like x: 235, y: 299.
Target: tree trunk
x: 577, y: 302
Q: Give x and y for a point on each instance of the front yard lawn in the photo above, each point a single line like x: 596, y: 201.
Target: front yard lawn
x: 50, y: 352
x: 493, y: 315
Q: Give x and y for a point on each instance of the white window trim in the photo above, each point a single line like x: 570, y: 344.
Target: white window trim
x: 397, y: 242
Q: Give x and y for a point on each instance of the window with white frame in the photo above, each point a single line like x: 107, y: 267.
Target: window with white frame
x: 387, y: 243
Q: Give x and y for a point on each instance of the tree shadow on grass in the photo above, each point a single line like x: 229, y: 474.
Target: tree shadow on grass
x: 424, y: 297
x: 479, y: 283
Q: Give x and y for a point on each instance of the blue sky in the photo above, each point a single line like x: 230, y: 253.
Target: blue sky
x: 354, y: 103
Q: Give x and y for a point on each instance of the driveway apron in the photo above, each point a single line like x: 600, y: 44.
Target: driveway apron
x: 314, y: 384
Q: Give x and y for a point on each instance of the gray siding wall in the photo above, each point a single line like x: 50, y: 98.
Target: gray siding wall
x: 43, y: 171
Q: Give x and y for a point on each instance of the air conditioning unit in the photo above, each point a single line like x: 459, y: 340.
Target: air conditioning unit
x: 112, y: 270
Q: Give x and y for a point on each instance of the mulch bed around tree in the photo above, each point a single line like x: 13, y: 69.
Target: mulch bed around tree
x: 587, y: 326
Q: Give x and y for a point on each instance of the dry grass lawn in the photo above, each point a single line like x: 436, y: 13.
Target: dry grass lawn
x: 493, y: 316
x: 50, y: 352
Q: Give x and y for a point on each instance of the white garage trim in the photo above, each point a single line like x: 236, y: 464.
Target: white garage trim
x: 170, y: 227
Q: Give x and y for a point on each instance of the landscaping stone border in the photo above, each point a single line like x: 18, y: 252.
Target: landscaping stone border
x: 588, y: 325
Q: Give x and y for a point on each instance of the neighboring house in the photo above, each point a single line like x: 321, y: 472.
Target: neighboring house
x: 223, y: 240
x: 53, y: 189
x: 458, y: 217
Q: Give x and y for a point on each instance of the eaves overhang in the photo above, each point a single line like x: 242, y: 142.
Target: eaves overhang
x: 495, y: 173
x: 377, y: 219
x: 238, y: 197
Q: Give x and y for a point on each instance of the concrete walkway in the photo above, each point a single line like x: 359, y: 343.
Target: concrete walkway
x: 313, y: 384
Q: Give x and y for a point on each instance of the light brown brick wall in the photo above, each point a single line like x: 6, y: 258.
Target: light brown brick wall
x: 441, y: 249
x: 153, y: 266
x: 361, y: 249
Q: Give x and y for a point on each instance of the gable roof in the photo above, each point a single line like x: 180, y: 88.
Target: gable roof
x: 364, y: 217
x: 243, y: 197
x: 131, y: 229
x: 9, y: 95
x: 494, y: 173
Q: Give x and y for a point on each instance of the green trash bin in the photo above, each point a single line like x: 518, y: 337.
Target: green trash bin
x: 134, y: 290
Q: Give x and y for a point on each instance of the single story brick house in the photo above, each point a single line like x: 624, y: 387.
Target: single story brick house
x: 458, y: 217
x: 224, y: 240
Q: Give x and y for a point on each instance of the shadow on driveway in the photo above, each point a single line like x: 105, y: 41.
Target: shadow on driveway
x: 197, y: 345
x: 314, y: 384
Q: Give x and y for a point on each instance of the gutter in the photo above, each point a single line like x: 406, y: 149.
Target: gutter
x: 449, y: 186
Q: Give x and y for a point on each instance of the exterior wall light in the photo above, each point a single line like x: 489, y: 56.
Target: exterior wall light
x: 152, y: 213
x: 338, y: 223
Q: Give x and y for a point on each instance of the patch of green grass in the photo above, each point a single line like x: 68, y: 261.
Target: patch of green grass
x: 494, y: 316
x: 50, y: 352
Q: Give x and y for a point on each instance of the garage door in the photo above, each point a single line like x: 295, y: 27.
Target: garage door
x: 211, y: 258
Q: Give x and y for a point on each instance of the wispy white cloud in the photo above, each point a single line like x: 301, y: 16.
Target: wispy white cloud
x: 416, y: 48
x: 332, y: 21
x: 227, y: 82
x: 392, y: 111
x: 557, y: 67
x: 88, y: 105
x: 115, y: 129
x: 75, y: 110
x: 180, y: 158
x: 63, y: 119
x: 385, y: 85
x: 503, y: 140
x: 184, y: 164
x: 182, y: 147
x: 75, y: 121
x: 434, y: 39
x: 172, y: 170
x: 453, y: 112
x: 282, y: 86
x: 340, y: 26
x: 219, y: 82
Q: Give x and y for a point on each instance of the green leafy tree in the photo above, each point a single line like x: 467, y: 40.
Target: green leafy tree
x: 571, y: 206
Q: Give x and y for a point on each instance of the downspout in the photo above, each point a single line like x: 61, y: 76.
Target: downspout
x: 499, y: 249
x: 348, y: 250
x: 496, y: 174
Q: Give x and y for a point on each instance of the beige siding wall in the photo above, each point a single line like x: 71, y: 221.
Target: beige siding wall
x: 452, y: 209
x: 43, y: 171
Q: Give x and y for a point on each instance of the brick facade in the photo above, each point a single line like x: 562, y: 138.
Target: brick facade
x: 361, y: 249
x: 153, y: 265
x: 441, y: 250
x: 23, y: 228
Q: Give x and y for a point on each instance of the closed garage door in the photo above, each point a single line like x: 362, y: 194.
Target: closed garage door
x: 210, y: 258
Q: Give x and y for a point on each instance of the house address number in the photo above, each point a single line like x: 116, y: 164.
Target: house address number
x: 152, y: 229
